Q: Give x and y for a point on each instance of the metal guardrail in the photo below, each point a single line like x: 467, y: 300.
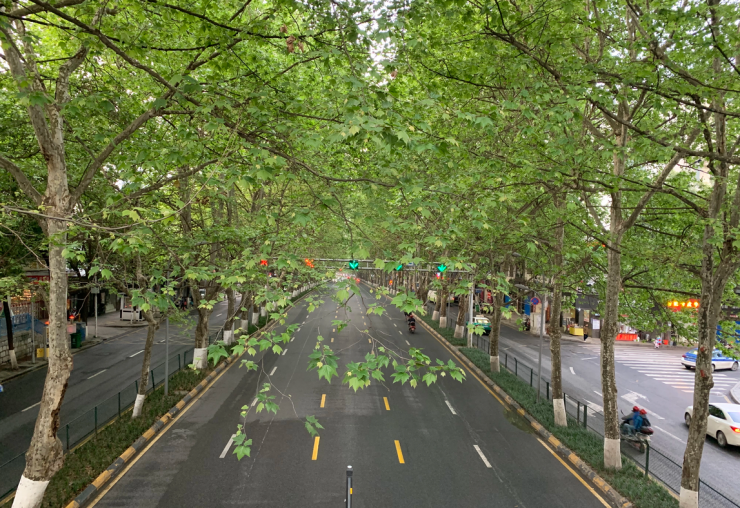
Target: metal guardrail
x: 654, y: 462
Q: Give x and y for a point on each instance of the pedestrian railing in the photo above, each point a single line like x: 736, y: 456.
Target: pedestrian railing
x: 653, y: 462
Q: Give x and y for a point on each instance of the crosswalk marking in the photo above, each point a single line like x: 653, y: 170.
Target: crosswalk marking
x: 664, y: 368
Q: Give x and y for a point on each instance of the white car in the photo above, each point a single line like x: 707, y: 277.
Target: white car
x: 723, y: 423
x: 432, y: 297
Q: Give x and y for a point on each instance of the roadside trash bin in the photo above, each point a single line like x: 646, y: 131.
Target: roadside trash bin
x: 76, y: 340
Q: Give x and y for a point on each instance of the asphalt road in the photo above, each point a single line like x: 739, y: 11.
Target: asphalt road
x: 649, y: 378
x: 451, y: 444
x: 99, y: 372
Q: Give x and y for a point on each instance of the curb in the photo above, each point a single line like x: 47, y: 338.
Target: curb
x: 615, y: 497
x: 140, y: 443
x: 97, y: 485
x: 735, y: 393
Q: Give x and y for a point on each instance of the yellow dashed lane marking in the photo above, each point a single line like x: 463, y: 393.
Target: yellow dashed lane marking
x: 399, y: 452
x: 315, y: 448
x: 323, y: 400
x: 387, y: 407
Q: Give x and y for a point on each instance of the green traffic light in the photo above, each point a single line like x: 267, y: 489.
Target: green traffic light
x: 354, y: 264
x: 399, y: 267
x: 442, y: 268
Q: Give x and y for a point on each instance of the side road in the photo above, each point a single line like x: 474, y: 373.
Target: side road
x: 99, y: 373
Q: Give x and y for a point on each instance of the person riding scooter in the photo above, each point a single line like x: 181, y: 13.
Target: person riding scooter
x: 630, y: 420
x: 411, y: 322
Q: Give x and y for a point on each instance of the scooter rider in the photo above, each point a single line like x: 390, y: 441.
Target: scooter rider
x: 631, y: 419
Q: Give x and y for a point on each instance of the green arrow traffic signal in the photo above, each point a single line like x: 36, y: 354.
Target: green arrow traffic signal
x: 442, y: 267
x: 354, y: 264
x: 399, y: 267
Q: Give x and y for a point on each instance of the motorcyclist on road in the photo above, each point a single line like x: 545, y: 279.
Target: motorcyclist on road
x: 411, y: 319
x: 631, y: 420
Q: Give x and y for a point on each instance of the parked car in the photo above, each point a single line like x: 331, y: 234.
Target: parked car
x: 481, y: 321
x: 723, y: 423
x: 432, y: 297
x: 719, y: 360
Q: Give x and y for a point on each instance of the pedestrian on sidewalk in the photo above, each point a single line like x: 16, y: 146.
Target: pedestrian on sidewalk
x: 657, y: 343
x: 585, y: 335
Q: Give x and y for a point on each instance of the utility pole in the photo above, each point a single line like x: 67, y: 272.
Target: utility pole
x: 470, y: 311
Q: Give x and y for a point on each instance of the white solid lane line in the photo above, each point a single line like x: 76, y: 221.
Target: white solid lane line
x: 450, y: 406
x: 598, y: 393
x: 674, y: 437
x: 483, y: 457
x: 226, y: 448
x: 30, y: 407
x: 97, y: 374
x: 136, y: 353
x: 284, y: 351
x: 572, y: 371
x: 273, y: 370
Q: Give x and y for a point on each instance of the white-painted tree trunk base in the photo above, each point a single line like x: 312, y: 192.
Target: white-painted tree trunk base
x: 30, y: 493
x: 263, y: 311
x: 612, y: 454
x: 13, y: 360
x: 459, y: 331
x: 228, y: 337
x: 495, y: 364
x: 255, y: 318
x: 687, y: 499
x: 138, y: 403
x: 560, y: 417
x: 200, y: 358
x: 435, y: 315
x: 443, y: 321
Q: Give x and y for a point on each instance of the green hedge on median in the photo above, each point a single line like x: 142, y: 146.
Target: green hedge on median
x: 630, y: 481
x: 447, y: 333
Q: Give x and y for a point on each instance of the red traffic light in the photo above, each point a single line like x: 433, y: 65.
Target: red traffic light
x: 263, y: 262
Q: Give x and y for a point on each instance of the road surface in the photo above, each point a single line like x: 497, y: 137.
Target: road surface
x: 451, y: 444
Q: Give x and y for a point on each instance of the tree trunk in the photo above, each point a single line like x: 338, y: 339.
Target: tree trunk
x: 554, y: 329
x: 152, y: 327
x: 45, y: 454
x: 460, y: 322
x: 714, y: 278
x: 9, y: 329
x: 255, y: 314
x: 443, y: 309
x: 495, y: 334
x: 610, y: 327
x: 435, y: 314
x: 230, y: 315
